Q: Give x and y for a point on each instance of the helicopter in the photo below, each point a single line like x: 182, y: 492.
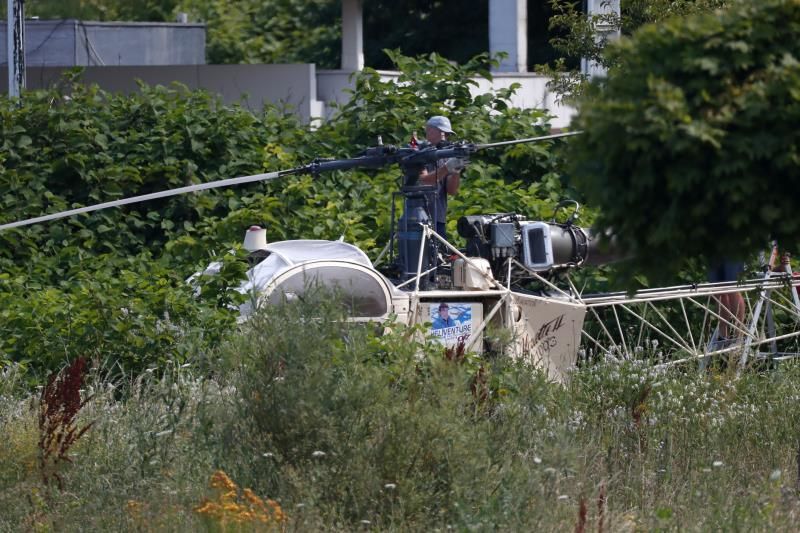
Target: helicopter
x: 513, y: 274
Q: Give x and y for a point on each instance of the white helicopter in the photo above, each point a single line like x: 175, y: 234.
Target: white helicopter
x: 514, y: 274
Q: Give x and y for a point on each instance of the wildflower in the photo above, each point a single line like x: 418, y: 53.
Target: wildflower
x: 318, y: 453
x: 717, y: 464
x: 366, y: 522
x: 231, y: 507
x: 390, y: 486
x: 268, y: 455
x: 220, y: 480
x: 134, y: 508
x: 563, y: 497
x: 537, y: 460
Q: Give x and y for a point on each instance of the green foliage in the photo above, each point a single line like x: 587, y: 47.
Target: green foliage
x: 281, y: 31
x: 522, y: 179
x: 309, y: 31
x: 124, y: 314
x: 104, y: 10
x: 377, y: 428
x: 90, y: 146
x: 342, y: 427
x: 245, y: 31
x: 455, y: 30
x: 574, y: 34
x: 103, y: 284
x: 691, y: 147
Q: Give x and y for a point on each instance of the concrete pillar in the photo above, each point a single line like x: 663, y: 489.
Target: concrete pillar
x: 508, y: 32
x: 15, y: 47
x: 605, y: 16
x: 352, y: 35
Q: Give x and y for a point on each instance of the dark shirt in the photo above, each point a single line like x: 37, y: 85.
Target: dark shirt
x: 439, y: 322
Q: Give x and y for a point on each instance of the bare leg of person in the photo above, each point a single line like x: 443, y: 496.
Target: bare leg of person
x: 731, y: 310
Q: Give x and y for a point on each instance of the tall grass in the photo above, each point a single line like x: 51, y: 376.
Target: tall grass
x: 343, y: 429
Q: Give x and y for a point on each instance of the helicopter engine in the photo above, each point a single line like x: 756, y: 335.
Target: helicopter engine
x: 545, y: 248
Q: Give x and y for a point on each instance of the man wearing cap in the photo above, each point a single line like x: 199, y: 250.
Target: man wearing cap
x: 444, y: 320
x: 446, y: 175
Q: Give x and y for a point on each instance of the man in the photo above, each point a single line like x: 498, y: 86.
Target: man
x: 446, y: 175
x: 444, y: 320
x: 731, y: 305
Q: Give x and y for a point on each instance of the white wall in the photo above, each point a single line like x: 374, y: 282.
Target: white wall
x: 533, y: 93
x: 310, y: 92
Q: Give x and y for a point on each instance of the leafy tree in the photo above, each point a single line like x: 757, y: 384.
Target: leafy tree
x: 691, y: 146
x: 455, y: 30
x: 279, y: 31
x: 574, y: 33
x: 110, y: 284
x: 244, y: 31
x: 291, y: 31
x: 103, y: 10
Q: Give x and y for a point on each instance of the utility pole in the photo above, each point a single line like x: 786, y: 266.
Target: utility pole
x: 15, y: 46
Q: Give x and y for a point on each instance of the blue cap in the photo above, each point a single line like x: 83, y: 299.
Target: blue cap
x: 441, y: 123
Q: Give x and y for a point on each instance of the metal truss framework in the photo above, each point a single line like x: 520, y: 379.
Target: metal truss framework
x: 681, y: 324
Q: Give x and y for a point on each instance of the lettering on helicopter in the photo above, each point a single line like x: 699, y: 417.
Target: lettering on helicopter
x: 549, y: 332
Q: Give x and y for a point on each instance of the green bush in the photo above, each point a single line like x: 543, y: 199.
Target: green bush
x: 346, y: 429
x: 692, y: 138
x: 110, y: 284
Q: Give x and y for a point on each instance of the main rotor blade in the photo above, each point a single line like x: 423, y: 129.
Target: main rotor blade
x: 528, y: 140
x: 152, y: 196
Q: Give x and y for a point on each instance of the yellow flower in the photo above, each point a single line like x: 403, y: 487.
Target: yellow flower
x: 230, y: 506
x: 220, y: 480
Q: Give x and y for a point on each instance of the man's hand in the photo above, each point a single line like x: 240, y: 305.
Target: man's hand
x: 455, y: 164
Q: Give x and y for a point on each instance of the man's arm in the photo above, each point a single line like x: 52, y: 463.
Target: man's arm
x: 432, y: 177
x: 441, y: 173
x: 453, y: 182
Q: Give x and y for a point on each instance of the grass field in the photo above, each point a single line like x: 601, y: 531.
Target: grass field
x: 297, y: 424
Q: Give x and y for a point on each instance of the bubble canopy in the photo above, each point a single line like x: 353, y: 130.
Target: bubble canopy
x: 293, y: 267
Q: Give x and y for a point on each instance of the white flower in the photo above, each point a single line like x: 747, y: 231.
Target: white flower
x: 366, y: 522
x: 390, y: 486
x: 537, y: 460
x: 268, y: 454
x: 775, y: 475
x: 717, y: 464
x: 318, y: 453
x: 563, y: 497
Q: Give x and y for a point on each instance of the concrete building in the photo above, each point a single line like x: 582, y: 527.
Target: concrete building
x: 71, y: 43
x: 117, y: 54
